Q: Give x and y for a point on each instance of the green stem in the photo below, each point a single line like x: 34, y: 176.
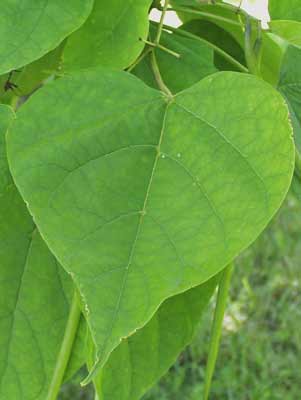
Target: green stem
x: 235, y: 9
x: 218, y: 50
x: 66, y: 348
x: 160, y: 46
x: 160, y: 27
x: 251, y: 62
x: 253, y: 51
x: 158, y: 76
x: 153, y: 59
x: 14, y: 102
x: 167, y: 50
x: 216, y: 330
x: 298, y: 165
x: 205, y: 15
x: 139, y: 59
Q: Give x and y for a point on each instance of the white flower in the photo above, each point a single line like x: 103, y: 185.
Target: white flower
x: 256, y: 8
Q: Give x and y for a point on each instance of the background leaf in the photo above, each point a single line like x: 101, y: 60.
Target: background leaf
x: 28, y: 30
x: 107, y: 170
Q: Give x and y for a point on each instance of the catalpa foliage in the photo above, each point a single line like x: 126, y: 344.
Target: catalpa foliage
x: 137, y: 162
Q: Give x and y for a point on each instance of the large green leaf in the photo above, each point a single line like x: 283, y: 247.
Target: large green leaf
x: 290, y: 86
x: 29, y: 29
x: 195, y: 62
x: 110, y: 37
x: 141, y: 200
x: 139, y: 361
x: 285, y: 9
x: 34, y: 301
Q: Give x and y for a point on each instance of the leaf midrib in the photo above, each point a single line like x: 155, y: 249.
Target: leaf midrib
x: 142, y: 214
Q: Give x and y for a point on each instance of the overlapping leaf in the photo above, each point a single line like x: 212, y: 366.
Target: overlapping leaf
x: 34, y: 300
x: 288, y: 9
x: 110, y: 37
x: 29, y: 29
x: 290, y: 31
x: 139, y: 361
x: 141, y: 200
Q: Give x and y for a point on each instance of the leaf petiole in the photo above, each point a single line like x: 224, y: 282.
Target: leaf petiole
x: 66, y: 348
x: 153, y: 59
x: 216, y: 330
x: 298, y: 165
x: 158, y: 76
x: 206, y: 15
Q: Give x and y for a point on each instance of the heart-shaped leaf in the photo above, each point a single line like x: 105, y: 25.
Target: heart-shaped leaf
x: 140, y: 198
x: 111, y: 36
x: 35, y: 294
x: 139, y: 361
x: 28, y: 29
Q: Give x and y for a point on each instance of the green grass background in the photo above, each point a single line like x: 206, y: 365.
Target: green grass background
x: 260, y: 355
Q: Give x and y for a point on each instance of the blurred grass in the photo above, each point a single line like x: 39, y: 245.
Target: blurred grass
x: 260, y: 355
